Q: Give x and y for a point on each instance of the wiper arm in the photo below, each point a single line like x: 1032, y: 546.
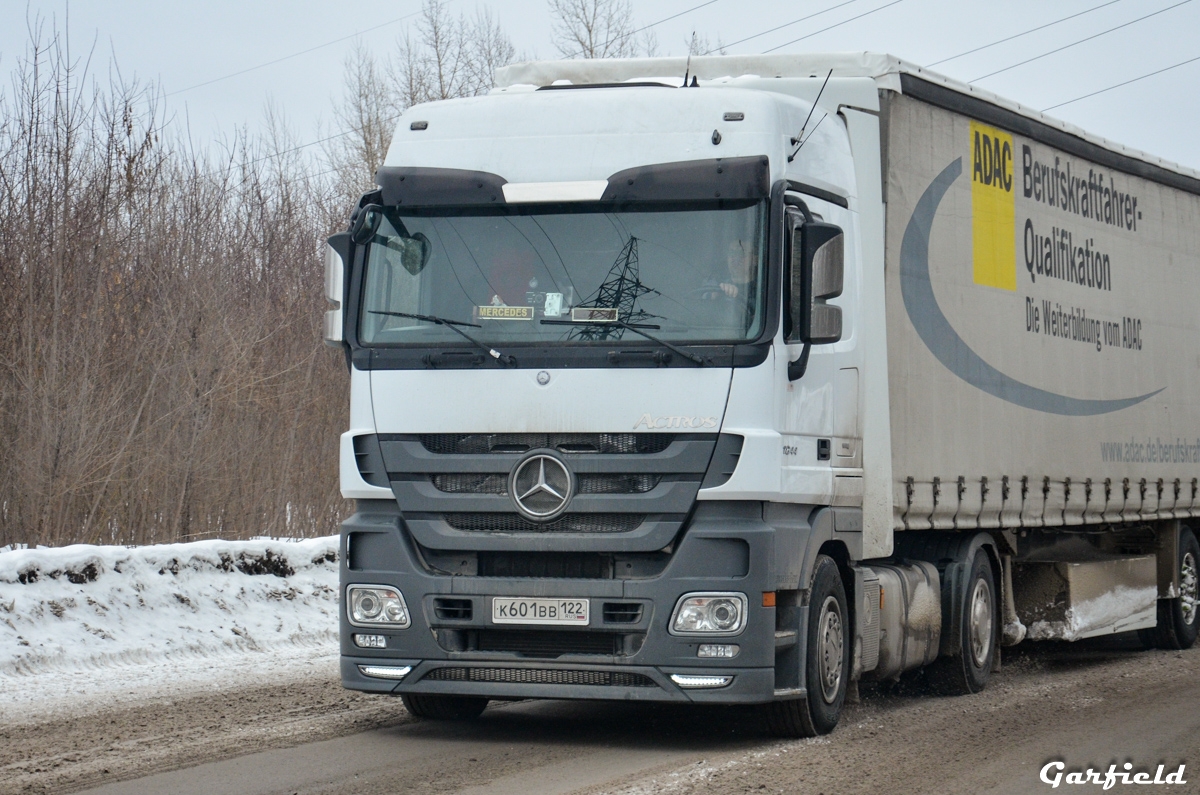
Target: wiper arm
x: 453, y: 325
x: 636, y: 329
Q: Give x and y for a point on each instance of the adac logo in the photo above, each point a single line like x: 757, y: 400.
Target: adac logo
x: 993, y: 208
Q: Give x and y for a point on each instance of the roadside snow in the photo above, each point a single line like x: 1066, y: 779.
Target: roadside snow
x: 101, y: 618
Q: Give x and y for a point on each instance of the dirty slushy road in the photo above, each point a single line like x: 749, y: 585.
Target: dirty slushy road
x: 1086, y: 704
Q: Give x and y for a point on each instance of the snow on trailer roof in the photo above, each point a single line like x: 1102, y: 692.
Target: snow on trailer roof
x: 886, y: 70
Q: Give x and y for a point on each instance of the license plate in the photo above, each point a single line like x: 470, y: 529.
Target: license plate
x: 523, y: 610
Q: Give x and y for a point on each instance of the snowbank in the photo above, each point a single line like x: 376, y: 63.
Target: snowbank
x: 85, y: 607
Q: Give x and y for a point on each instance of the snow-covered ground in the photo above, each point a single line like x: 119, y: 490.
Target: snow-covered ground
x: 83, y: 621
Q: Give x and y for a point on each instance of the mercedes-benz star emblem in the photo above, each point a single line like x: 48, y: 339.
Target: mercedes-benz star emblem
x: 541, y: 486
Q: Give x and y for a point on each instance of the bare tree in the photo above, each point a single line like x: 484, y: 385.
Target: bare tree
x: 700, y: 45
x: 444, y: 58
x: 367, y: 113
x: 598, y: 29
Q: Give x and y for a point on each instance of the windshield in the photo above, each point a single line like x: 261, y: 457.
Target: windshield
x: 693, y: 275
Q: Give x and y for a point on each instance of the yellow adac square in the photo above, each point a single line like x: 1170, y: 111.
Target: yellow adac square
x: 993, y: 207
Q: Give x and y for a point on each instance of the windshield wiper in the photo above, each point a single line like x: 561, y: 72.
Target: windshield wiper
x: 636, y: 329
x: 453, y: 325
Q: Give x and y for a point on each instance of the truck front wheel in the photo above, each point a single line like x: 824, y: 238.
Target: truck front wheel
x: 439, y: 707
x: 827, y: 660
x: 1178, y: 622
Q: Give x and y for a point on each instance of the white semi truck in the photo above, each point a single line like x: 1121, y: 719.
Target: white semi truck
x: 744, y: 379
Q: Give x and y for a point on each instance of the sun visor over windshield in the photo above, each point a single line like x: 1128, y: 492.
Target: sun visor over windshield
x: 436, y: 187
x: 724, y: 179
x: 734, y: 178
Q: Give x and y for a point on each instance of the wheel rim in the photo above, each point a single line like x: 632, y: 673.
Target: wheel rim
x: 980, y: 618
x: 831, y: 645
x: 1189, y: 589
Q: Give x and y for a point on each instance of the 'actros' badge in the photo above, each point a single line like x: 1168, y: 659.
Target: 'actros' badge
x: 541, y: 486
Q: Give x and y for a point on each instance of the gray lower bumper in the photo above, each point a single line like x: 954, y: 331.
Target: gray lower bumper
x: 725, y: 549
x: 749, y: 685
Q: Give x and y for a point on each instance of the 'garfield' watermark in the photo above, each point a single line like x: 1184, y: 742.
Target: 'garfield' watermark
x: 1055, y: 773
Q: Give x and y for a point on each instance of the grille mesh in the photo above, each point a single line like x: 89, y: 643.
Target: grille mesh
x: 474, y: 483
x: 476, y: 443
x: 571, y: 523
x: 548, y: 643
x: 541, y: 676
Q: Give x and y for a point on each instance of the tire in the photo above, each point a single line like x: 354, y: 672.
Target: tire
x: 826, y: 660
x: 1179, y: 618
x: 439, y: 707
x: 968, y: 670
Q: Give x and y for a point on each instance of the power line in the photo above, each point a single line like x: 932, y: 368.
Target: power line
x: 1024, y: 33
x: 787, y: 24
x: 1127, y: 82
x: 1081, y: 41
x: 843, y: 22
x: 293, y: 55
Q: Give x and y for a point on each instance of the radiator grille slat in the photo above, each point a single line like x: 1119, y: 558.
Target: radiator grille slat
x: 570, y: 523
x: 476, y: 443
x: 588, y: 483
x: 541, y: 676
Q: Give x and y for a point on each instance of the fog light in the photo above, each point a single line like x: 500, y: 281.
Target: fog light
x: 725, y: 650
x: 709, y: 614
x: 369, y: 605
x: 385, y: 671
x: 370, y: 641
x: 700, y: 681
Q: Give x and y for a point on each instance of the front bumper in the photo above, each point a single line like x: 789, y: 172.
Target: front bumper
x: 726, y: 548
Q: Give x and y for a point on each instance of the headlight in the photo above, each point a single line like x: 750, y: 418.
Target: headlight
x: 376, y: 605
x: 709, y: 614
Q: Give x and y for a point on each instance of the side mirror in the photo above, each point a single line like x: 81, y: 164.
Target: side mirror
x: 336, y: 255
x: 364, y: 223
x: 816, y: 268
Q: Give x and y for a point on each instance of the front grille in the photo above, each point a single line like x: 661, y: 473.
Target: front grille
x: 572, y: 565
x: 622, y: 612
x: 548, y: 643
x: 453, y: 609
x: 541, y: 676
x: 476, y: 443
x: 472, y: 483
x: 571, y: 523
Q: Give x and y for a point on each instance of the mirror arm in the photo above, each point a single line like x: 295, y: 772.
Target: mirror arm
x: 796, y: 369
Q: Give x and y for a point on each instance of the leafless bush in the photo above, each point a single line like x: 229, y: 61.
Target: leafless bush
x: 161, y: 372
x: 162, y: 375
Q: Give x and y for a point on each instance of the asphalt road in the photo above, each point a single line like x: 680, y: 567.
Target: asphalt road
x: 1087, y: 705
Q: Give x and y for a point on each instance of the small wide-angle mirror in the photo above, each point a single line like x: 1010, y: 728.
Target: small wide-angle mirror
x: 364, y: 223
x: 414, y: 252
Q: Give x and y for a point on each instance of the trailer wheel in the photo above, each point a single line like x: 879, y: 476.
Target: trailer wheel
x: 968, y: 671
x: 440, y: 707
x: 827, y: 660
x: 1179, y: 618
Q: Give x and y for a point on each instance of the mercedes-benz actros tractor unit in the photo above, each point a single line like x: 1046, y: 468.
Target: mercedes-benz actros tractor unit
x: 738, y: 380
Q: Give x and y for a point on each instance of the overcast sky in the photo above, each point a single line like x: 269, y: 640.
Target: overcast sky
x: 184, y: 44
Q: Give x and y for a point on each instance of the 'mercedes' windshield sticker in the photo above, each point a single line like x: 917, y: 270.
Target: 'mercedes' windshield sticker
x: 504, y: 312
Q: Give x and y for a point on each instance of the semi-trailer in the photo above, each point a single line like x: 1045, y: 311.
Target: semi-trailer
x: 746, y: 379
